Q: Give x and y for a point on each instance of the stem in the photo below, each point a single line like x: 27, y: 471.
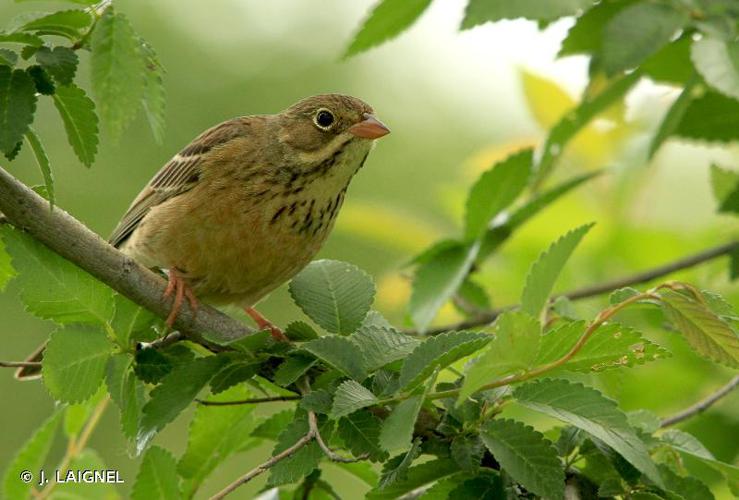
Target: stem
x: 20, y: 364
x: 702, y: 405
x: 332, y: 455
x: 247, y: 401
x: 487, y: 317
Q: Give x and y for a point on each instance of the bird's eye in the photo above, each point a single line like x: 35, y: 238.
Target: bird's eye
x: 324, y: 119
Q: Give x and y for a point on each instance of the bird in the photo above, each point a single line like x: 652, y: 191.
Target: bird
x: 249, y: 202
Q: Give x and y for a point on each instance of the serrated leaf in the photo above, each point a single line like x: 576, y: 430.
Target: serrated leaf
x: 126, y: 391
x: 60, y: 62
x: 131, y: 322
x: 590, y: 411
x: 303, y: 461
x: 486, y: 486
x: 439, y: 352
x: 74, y: 362
x: 687, y: 488
x: 717, y: 61
x: 216, y: 432
x: 524, y: 454
x: 30, y: 457
x: 571, y: 123
x: 80, y: 121
x: 76, y: 415
x: 637, y: 32
x: 292, y: 369
x: 360, y: 433
x: 118, y: 69
x: 65, y: 23
x: 545, y: 271
x: 467, y: 451
x: 495, y: 190
x: 300, y: 331
x: 711, y: 117
x: 723, y: 182
x: 274, y: 425
x: 340, y: 353
x: 351, y: 396
x: 174, y: 394
x: 382, y: 345
x: 586, y: 35
x: 232, y: 374
x: 17, y: 106
x: 611, y: 346
x: 154, y: 99
x: 157, y: 477
x: 706, y: 333
x: 687, y: 443
x: 334, y: 294
x: 43, y: 162
x: 24, y: 38
x: 388, y: 19
x: 41, y: 80
x: 151, y: 365
x: 317, y: 401
x: 514, y: 348
x: 8, y: 57
x: 437, y: 279
x: 396, y: 469
x: 673, y: 117
x: 482, y: 11
x: 417, y: 477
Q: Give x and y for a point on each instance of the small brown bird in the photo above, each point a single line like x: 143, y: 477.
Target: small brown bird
x: 248, y: 203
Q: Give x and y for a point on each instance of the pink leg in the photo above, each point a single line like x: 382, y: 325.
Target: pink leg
x: 266, y: 324
x: 177, y: 285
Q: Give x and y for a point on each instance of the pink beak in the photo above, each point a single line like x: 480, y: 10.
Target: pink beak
x: 369, y: 128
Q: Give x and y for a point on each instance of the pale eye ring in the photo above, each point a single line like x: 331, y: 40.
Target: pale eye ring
x: 324, y: 119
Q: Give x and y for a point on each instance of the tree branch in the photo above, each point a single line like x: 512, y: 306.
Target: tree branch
x: 332, y: 455
x: 66, y: 236
x: 20, y: 364
x: 251, y: 401
x: 701, y: 405
x: 488, y: 317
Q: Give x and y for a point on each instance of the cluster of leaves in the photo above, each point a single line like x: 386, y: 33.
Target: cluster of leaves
x: 689, y: 44
x: 377, y: 393
x: 39, y: 56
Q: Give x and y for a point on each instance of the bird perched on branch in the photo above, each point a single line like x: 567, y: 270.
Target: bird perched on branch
x: 249, y: 202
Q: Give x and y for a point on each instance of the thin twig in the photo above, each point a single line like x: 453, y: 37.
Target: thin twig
x: 488, y: 317
x: 251, y: 401
x: 161, y: 342
x: 261, y: 469
x: 701, y: 405
x: 20, y: 364
x: 332, y: 455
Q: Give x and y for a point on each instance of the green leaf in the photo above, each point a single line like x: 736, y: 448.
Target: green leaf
x: 60, y: 62
x: 43, y: 162
x: 174, y: 394
x: 397, y: 429
x: 350, y: 396
x: 514, y: 348
x: 118, y: 69
x: 76, y: 415
x: 545, y: 271
x: 524, y: 454
x: 724, y: 182
x: 495, y: 190
x: 80, y: 121
x: 300, y: 331
x: 274, y: 425
x: 154, y: 98
x: 6, y: 270
x: 611, y: 346
x: 706, y: 333
x: 24, y: 38
x: 574, y: 121
x: 216, y: 432
x: 673, y: 117
x: 302, y: 462
x: 340, y: 353
x: 396, y: 469
x: 65, y: 23
x: 437, y: 279
x: 52, y: 287
x: 360, y: 432
x: 8, y: 57
x: 671, y: 64
x: 486, y: 486
x: 590, y: 411
x: 17, y: 106
x: 74, y: 362
x: 711, y: 117
x: 292, y: 369
x: 382, y: 345
x: 586, y: 35
x: 467, y: 451
x: 232, y: 374
x: 132, y: 322
x: 157, y: 477
x: 417, y: 477
x: 334, y: 294
x: 688, y: 444
x: 482, y: 11
x: 717, y: 61
x: 637, y: 32
x: 387, y: 20
x: 30, y: 457
x: 126, y: 391
x: 439, y: 352
x: 687, y: 488
x: 151, y: 365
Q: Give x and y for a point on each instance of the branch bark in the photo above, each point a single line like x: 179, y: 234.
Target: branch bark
x: 66, y: 236
x: 702, y: 405
x: 488, y: 317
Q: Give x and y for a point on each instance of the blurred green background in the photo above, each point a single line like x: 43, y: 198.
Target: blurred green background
x: 455, y: 102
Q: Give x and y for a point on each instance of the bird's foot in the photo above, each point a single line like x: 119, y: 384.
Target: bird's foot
x: 266, y: 324
x: 177, y: 285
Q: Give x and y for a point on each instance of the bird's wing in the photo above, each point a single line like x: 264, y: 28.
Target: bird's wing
x: 177, y: 176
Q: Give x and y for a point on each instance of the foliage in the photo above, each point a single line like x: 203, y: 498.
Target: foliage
x: 429, y: 406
